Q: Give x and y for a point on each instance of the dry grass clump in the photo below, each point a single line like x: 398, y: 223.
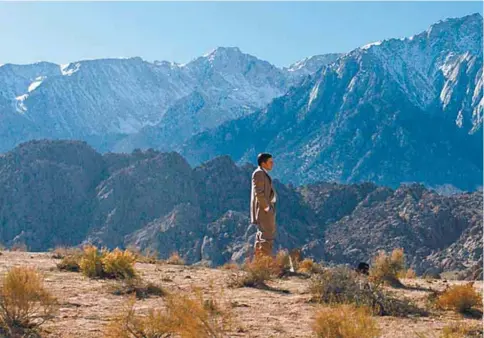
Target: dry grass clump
x: 91, y: 262
x: 70, y: 263
x: 19, y: 247
x: 459, y: 298
x: 119, y: 264
x: 309, y: 266
x: 129, y: 324
x: 462, y: 330
x: 410, y: 274
x: 230, y: 266
x: 95, y: 263
x: 25, y: 304
x: 137, y: 287
x: 185, y: 316
x: 345, y: 321
x: 257, y: 272
x: 175, y: 259
x: 282, y: 263
x: 70, y: 258
x: 62, y: 252
x: 345, y: 286
x: 387, y: 268
x: 148, y: 255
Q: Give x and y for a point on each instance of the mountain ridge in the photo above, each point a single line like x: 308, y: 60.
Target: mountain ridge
x: 64, y: 193
x: 370, y: 116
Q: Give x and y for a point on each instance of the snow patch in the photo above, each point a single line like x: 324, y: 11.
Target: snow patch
x: 459, y: 119
x: 36, y: 83
x: 376, y: 43
x: 20, y: 103
x: 298, y: 65
x: 313, y: 95
x: 69, y: 68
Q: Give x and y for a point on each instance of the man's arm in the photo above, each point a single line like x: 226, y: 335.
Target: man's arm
x: 258, y: 183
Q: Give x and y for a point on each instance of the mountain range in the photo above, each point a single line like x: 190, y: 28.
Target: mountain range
x: 400, y: 110
x: 122, y: 104
x: 390, y: 112
x: 64, y: 193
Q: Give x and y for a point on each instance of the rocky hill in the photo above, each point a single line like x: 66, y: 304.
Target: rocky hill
x: 56, y: 193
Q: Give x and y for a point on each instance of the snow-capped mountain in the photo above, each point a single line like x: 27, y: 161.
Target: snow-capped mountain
x: 394, y: 111
x: 104, y: 100
x: 311, y: 65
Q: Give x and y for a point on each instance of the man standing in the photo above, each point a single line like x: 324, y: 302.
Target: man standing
x: 262, y: 206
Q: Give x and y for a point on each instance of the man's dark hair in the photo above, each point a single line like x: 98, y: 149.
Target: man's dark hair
x: 263, y: 157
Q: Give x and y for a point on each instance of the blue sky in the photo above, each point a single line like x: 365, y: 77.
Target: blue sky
x: 279, y: 32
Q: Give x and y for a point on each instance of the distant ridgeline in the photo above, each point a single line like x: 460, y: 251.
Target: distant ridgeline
x: 399, y: 110
x: 65, y: 193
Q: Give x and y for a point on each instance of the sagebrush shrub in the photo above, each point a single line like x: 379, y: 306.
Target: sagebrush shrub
x: 185, y: 316
x: 462, y: 330
x: 459, y: 298
x: 91, y: 262
x: 138, y: 287
x: 387, y: 268
x: 24, y: 302
x: 61, y: 252
x: 119, y: 264
x: 175, y: 259
x: 70, y: 263
x: 309, y: 266
x: 257, y: 272
x: 230, y: 266
x: 344, y: 286
x: 129, y: 324
x: 345, y: 321
x: 148, y: 255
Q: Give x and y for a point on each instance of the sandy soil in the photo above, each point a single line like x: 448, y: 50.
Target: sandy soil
x: 87, y: 305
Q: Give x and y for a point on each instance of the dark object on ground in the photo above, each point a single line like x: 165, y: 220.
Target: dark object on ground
x: 363, y: 268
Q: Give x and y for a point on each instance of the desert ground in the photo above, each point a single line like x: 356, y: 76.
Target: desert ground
x: 87, y: 305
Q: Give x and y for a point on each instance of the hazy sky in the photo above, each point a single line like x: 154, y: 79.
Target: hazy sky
x: 280, y: 32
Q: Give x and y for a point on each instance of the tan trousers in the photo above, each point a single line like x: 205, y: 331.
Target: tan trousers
x: 263, y: 246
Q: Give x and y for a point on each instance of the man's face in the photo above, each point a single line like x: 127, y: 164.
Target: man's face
x: 267, y: 165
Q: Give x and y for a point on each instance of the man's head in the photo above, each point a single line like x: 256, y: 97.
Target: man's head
x: 265, y: 161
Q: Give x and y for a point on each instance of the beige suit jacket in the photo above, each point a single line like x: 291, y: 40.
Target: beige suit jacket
x: 262, y: 193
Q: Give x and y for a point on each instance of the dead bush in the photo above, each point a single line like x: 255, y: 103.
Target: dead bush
x: 462, y: 330
x: 25, y: 304
x: 137, y: 287
x: 62, y: 252
x: 186, y: 316
x: 256, y: 273
x: 148, y: 255
x: 197, y: 316
x: 19, y: 247
x: 345, y: 321
x: 282, y: 263
x: 70, y: 263
x: 387, y: 268
x: 230, y: 266
x: 345, y: 286
x: 410, y: 274
x: 309, y: 266
x: 129, y: 324
x: 459, y: 298
x: 175, y: 259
